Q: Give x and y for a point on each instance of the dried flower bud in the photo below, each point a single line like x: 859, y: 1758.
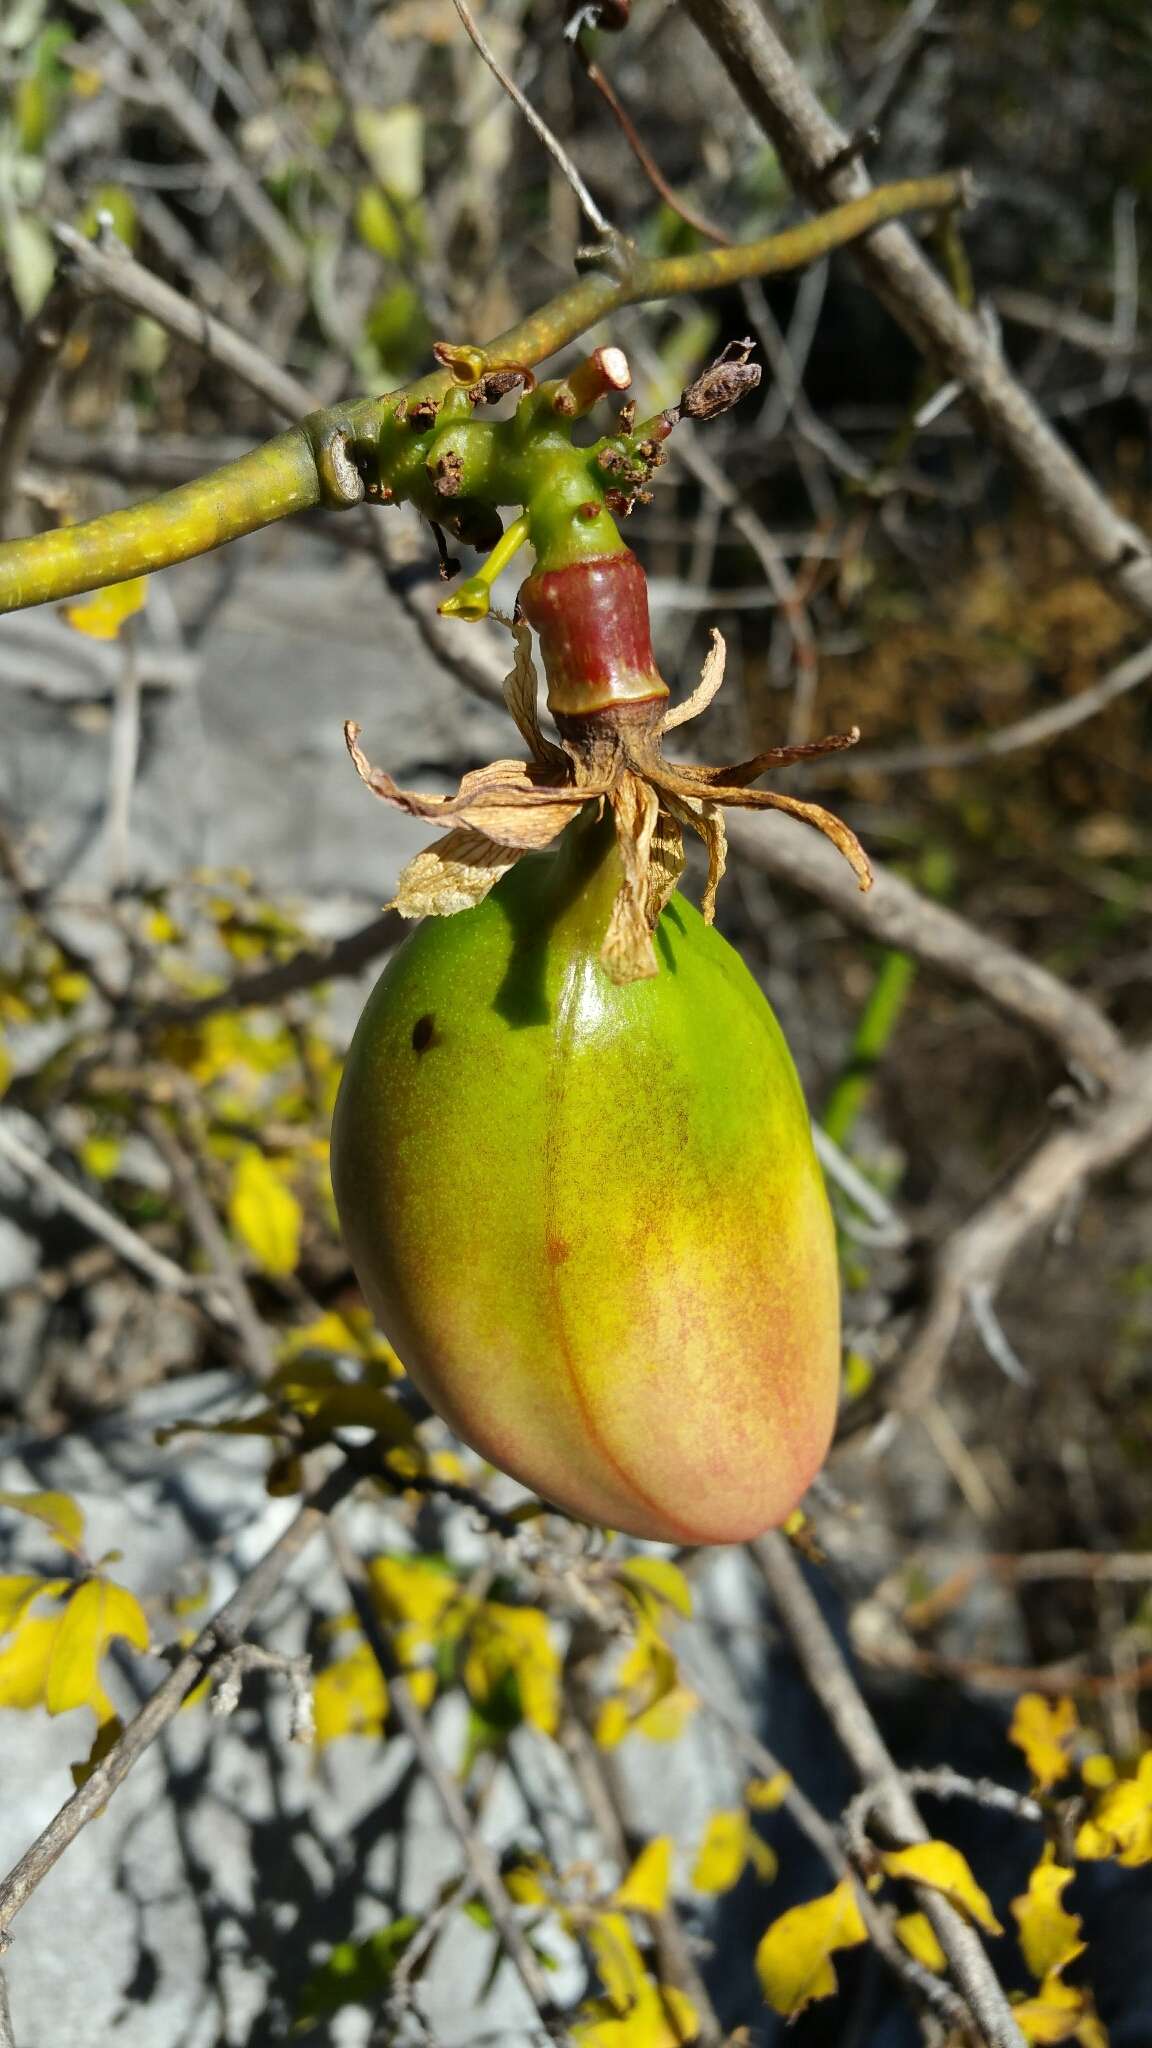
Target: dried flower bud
x: 723, y: 384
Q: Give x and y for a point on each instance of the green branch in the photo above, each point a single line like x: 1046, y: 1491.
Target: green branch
x: 330, y: 457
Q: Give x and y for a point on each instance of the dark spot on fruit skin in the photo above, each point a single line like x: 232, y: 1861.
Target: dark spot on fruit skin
x: 424, y: 1033
x: 556, y: 1250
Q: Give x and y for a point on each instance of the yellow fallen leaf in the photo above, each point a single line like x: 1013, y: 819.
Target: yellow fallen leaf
x: 793, y: 1960
x: 1049, y: 1937
x: 1045, y: 1730
x: 103, y: 615
x: 58, y: 1512
x: 264, y: 1213
x: 944, y: 1868
x: 916, y: 1932
x: 645, y: 1889
x: 723, y: 1852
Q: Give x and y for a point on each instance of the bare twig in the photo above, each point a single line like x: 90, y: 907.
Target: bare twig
x: 186, y: 113
x: 538, y: 125
x: 1010, y: 739
x: 977, y: 1253
x: 640, y: 150
x: 828, y: 1673
x: 43, y: 342
x: 64, y: 1194
x: 809, y: 141
x: 896, y: 913
x: 1067, y: 1676
x: 105, y: 267
x: 217, y: 1639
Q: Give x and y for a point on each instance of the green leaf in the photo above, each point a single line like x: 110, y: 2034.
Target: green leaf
x: 31, y: 261
x: 355, y: 1973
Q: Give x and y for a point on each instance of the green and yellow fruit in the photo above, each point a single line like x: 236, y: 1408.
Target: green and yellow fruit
x: 590, y: 1217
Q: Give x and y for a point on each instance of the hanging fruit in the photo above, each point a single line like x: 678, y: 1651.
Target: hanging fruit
x: 570, y: 1153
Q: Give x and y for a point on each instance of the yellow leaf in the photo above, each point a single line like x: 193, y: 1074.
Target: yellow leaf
x: 723, y: 1852
x: 525, y: 1886
x: 1049, y: 1937
x: 661, y: 2018
x: 25, y: 1659
x: 764, y: 1795
x: 618, y: 1960
x: 102, y: 615
x: 58, y: 1512
x: 1098, y: 1771
x: 793, y: 1960
x: 264, y: 1213
x: 97, y: 1612
x: 415, y: 1590
x: 1059, y: 2012
x: 1045, y: 1730
x: 514, y: 1642
x: 645, y: 1889
x: 647, y: 1576
x: 100, y: 1156
x: 19, y: 1592
x: 1120, y: 1824
x: 349, y: 1697
x: 944, y: 1868
x: 6, y: 1068
x: 648, y: 1698
x: 762, y: 1857
x: 918, y: 1935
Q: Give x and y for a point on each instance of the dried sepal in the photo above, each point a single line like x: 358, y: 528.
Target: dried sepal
x: 512, y: 807
x: 522, y: 696
x: 628, y: 953
x: 665, y: 865
x: 833, y: 828
x: 741, y: 772
x: 711, y: 678
x: 509, y: 801
x: 454, y: 874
